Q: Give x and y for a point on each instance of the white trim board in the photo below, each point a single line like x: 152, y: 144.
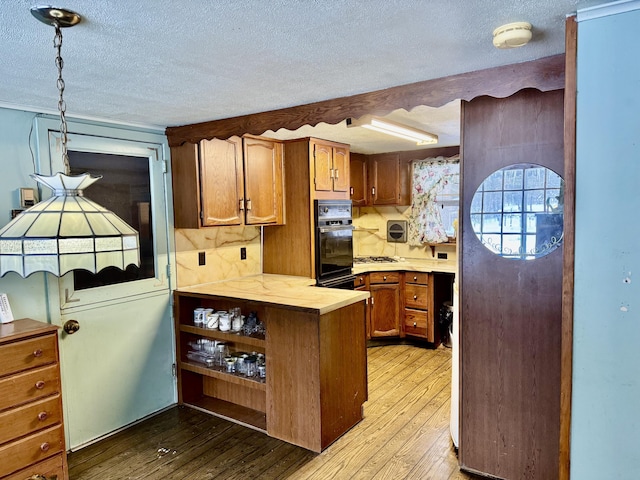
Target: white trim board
x: 607, y: 9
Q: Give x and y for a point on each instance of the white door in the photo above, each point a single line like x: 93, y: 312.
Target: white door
x: 118, y: 367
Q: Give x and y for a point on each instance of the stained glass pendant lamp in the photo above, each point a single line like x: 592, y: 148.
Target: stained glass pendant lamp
x: 67, y: 231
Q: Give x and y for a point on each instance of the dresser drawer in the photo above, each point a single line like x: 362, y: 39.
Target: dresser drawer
x: 50, y: 468
x: 384, y: 277
x: 27, y: 354
x: 415, y: 322
x: 416, y: 296
x: 416, y: 277
x: 28, y: 386
x: 31, y: 449
x: 21, y: 421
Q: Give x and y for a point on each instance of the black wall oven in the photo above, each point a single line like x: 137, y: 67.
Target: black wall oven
x: 334, y: 243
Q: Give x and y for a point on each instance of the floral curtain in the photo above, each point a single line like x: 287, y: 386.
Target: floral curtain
x: 429, y: 177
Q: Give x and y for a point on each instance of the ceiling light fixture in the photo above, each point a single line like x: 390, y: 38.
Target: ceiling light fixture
x: 67, y: 231
x: 393, y: 128
x: 512, y: 35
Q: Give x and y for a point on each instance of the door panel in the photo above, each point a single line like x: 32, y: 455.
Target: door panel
x: 263, y: 180
x: 117, y: 368
x: 341, y: 166
x: 510, y: 317
x: 322, y: 165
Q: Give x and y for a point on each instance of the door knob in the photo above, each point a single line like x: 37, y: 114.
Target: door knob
x: 71, y: 326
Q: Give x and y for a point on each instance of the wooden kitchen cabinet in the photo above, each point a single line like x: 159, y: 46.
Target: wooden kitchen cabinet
x: 330, y: 167
x: 358, y: 174
x: 290, y: 249
x: 384, y: 304
x: 237, y: 181
x: 31, y: 425
x: 418, y: 303
x: 308, y: 398
x: 383, y: 179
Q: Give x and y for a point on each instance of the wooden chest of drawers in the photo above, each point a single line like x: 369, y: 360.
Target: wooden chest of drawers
x: 31, y: 427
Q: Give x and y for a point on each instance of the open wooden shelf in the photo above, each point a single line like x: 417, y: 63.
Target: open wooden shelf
x: 225, y: 377
x: 227, y: 337
x: 230, y: 411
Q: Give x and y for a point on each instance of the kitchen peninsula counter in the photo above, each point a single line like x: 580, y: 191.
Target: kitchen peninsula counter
x: 286, y: 291
x: 315, y: 352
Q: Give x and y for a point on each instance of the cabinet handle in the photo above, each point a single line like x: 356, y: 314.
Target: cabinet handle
x: 39, y: 384
x: 44, y: 447
x: 42, y: 416
x: 248, y: 204
x: 241, y: 204
x: 373, y: 191
x: 415, y: 324
x: 331, y: 173
x: 415, y: 297
x: 37, y: 353
x: 384, y: 279
x: 415, y: 279
x: 371, y: 298
x: 351, y: 190
x: 336, y: 177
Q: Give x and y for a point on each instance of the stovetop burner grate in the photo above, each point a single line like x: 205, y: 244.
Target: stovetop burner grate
x: 374, y: 259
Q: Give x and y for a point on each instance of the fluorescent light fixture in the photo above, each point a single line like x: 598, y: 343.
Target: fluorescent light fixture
x: 393, y: 128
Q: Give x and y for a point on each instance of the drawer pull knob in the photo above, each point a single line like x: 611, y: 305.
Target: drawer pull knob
x: 384, y: 278
x: 415, y: 297
x: 44, y: 447
x: 40, y: 384
x: 37, y: 353
x: 42, y: 416
x: 415, y: 324
x: 415, y: 279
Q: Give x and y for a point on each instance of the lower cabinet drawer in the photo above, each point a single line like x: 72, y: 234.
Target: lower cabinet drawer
x: 31, y: 449
x: 417, y: 277
x: 415, y: 322
x: 384, y: 277
x: 30, y: 385
x: 416, y: 296
x: 21, y: 421
x: 50, y: 468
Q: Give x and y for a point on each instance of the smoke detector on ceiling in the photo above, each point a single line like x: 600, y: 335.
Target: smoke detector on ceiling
x: 512, y: 35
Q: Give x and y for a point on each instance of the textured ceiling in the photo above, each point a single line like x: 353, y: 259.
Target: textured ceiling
x: 175, y: 62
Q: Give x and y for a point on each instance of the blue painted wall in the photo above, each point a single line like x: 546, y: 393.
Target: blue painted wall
x: 27, y: 296
x: 605, y: 436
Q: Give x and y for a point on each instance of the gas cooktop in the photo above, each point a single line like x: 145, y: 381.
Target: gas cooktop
x: 374, y: 259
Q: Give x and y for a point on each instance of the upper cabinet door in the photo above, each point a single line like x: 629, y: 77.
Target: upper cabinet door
x: 385, y: 180
x: 221, y: 182
x: 340, y: 169
x: 323, y: 167
x: 263, y: 181
x: 358, y: 176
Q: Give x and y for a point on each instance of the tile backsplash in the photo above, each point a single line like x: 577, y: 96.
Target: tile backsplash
x: 221, y: 247
x: 370, y: 236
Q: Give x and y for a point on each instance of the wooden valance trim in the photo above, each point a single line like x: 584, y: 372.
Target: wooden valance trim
x: 544, y: 74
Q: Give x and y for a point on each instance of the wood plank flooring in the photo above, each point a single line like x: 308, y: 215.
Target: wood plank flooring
x: 404, y: 435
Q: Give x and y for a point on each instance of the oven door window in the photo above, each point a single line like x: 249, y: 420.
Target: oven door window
x: 336, y: 251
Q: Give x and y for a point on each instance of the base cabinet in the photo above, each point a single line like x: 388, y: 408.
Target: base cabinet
x: 31, y: 427
x: 385, y: 304
x: 418, y: 303
x: 308, y: 396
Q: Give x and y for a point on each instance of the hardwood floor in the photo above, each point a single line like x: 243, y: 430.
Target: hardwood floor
x: 404, y: 435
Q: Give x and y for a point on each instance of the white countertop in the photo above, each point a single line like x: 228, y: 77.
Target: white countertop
x: 282, y: 290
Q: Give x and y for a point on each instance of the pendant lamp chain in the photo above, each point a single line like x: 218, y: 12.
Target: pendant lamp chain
x: 62, y: 106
